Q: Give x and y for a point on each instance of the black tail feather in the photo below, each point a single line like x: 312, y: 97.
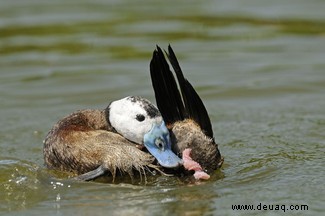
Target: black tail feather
x: 168, y: 96
x: 166, y: 92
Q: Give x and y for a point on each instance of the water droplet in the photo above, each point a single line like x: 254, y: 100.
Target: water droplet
x: 58, y: 197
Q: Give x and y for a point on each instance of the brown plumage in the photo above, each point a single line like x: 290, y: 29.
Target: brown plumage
x: 84, y: 141
x: 188, y: 134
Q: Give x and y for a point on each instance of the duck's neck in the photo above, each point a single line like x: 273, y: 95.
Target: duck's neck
x: 96, y: 119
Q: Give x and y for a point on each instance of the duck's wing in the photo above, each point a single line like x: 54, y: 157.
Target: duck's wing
x: 176, y: 105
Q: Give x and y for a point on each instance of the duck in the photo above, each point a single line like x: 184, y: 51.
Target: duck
x: 185, y: 116
x: 133, y: 135
x: 91, y: 143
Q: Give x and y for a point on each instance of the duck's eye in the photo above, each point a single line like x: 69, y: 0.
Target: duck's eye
x: 159, y: 143
x: 140, y: 117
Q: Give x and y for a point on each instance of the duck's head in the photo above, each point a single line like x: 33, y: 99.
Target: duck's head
x: 139, y: 121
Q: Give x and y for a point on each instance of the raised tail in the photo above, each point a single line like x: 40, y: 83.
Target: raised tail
x: 174, y: 104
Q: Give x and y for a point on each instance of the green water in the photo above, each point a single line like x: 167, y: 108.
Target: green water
x: 258, y: 65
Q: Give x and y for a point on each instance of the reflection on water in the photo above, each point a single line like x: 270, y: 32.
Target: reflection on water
x: 258, y: 66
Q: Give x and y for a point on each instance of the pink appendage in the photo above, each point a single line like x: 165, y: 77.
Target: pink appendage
x: 190, y: 164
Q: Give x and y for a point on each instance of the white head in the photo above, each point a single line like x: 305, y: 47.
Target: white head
x: 133, y: 117
x: 138, y: 120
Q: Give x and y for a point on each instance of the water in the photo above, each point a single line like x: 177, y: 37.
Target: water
x: 258, y: 66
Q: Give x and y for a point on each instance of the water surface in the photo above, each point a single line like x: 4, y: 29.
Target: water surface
x: 257, y: 65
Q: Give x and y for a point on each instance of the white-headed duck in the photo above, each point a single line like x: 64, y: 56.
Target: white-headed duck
x: 92, y: 143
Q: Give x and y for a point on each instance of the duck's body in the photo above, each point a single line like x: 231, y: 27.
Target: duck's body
x: 94, y: 142
x: 84, y: 141
x: 91, y: 143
